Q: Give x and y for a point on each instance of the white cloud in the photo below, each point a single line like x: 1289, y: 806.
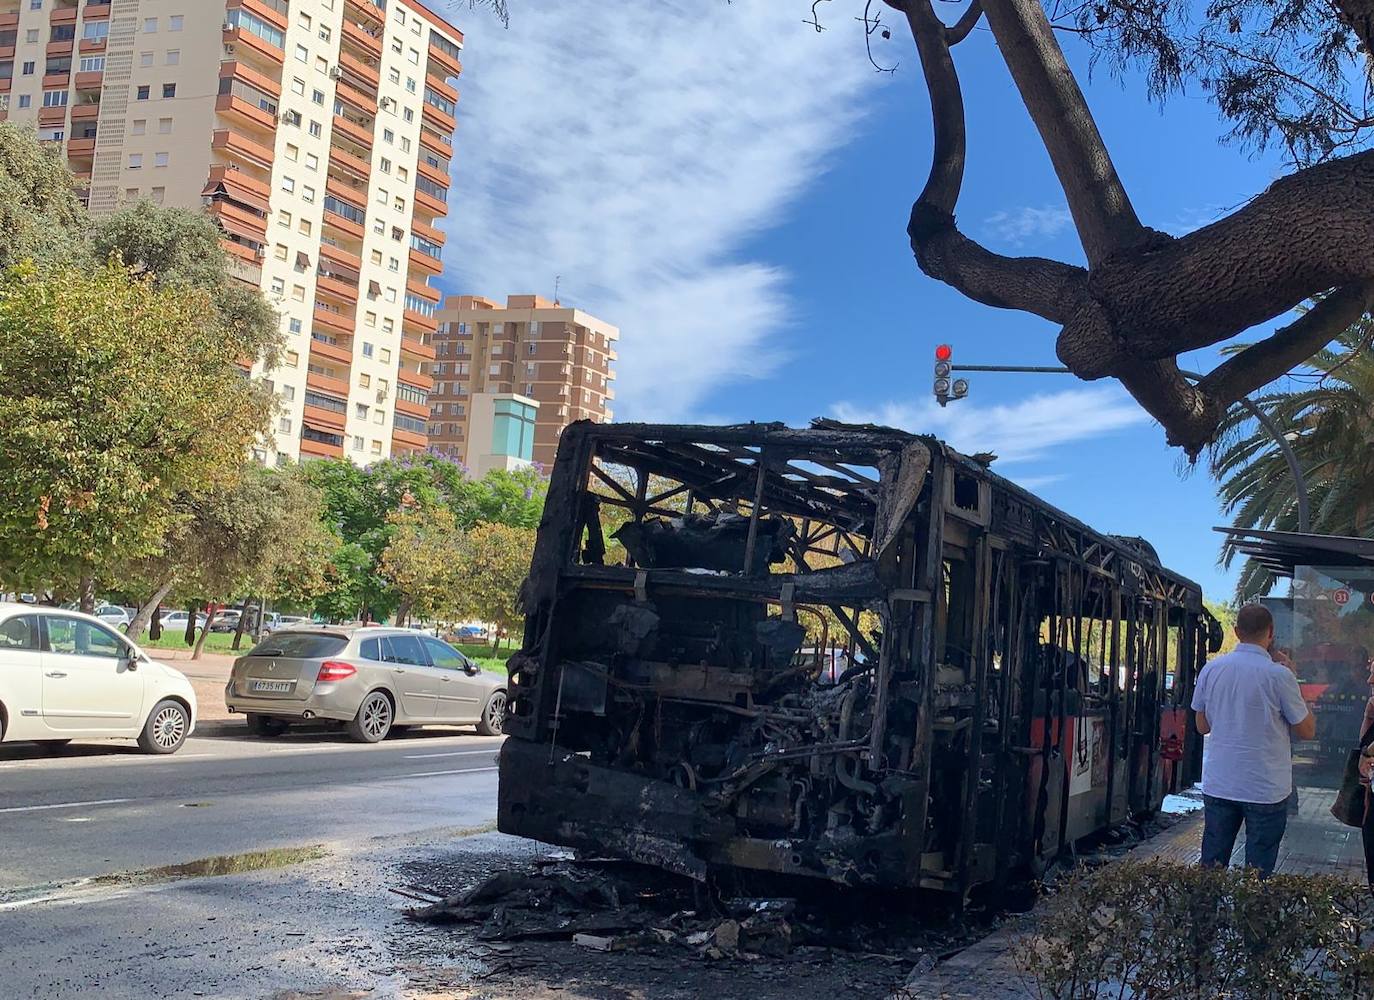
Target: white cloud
x: 1019, y: 226
x: 631, y: 149
x: 1020, y: 431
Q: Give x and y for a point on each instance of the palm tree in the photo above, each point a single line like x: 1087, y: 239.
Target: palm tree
x: 1329, y: 420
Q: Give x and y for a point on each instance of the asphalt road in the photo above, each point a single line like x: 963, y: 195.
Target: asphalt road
x: 101, y: 808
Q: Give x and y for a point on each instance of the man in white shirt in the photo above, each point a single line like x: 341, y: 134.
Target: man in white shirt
x: 1250, y: 709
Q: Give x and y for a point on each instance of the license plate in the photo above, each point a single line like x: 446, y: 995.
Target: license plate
x: 269, y: 686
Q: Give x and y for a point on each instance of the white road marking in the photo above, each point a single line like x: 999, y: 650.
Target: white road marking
x: 451, y: 753
x: 458, y: 770
x: 63, y: 805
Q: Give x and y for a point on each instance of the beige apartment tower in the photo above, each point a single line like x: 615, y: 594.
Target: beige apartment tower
x: 540, y: 351
x: 317, y: 133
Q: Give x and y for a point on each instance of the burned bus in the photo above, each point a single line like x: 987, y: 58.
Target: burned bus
x: 1012, y: 681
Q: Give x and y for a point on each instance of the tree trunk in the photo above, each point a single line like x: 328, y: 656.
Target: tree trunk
x: 243, y: 622
x: 190, y: 636
x: 155, y: 628
x: 210, y: 611
x: 87, y: 595
x: 403, y: 611
x: 147, y: 611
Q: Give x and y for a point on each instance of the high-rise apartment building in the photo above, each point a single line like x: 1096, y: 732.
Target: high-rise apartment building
x: 318, y: 133
x: 529, y: 350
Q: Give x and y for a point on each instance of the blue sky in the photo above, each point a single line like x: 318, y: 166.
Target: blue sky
x: 730, y: 188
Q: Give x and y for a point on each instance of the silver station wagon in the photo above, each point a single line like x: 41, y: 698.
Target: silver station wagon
x: 376, y: 680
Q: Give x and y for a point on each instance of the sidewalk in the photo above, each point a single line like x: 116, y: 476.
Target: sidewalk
x: 1313, y: 844
x: 208, y: 675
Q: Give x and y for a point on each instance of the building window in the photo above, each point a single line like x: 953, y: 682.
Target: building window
x: 292, y: 359
x: 135, y: 161
x: 317, y: 96
x: 315, y: 128
x: 150, y: 26
x: 357, y: 443
x: 160, y: 159
x: 292, y: 118
x: 145, y: 58
x: 54, y: 98
x: 25, y: 100
x: 164, y: 126
x: 308, y: 193
x: 95, y: 31
x: 28, y: 69
x: 312, y: 162
x: 376, y: 447
x: 388, y: 136
x: 284, y: 425
x: 159, y: 193
x: 364, y: 381
x: 360, y: 410
x: 173, y: 57
x: 278, y: 286
x: 302, y: 54
x: 367, y: 349
x: 91, y: 64
x: 288, y: 184
x: 295, y: 326
x: 292, y: 151
x: 174, y: 22
x: 240, y: 18
x: 288, y: 392
x: 298, y: 86
x: 409, y: 114
x: 169, y: 90
x: 31, y: 35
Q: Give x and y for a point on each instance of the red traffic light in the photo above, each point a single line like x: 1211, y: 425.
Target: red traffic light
x: 943, y: 352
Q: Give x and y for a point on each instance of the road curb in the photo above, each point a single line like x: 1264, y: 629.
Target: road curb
x: 221, y: 727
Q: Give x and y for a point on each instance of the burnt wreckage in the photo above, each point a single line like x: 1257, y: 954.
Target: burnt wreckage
x: 986, y: 681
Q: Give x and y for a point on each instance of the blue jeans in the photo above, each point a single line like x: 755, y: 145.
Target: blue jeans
x: 1264, y: 826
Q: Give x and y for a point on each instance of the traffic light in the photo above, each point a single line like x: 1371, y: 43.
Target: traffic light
x: 943, y: 389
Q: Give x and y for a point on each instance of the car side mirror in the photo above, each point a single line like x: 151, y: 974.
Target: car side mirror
x: 130, y: 661
x: 470, y: 668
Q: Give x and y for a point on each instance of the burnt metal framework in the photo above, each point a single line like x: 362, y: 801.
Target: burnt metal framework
x: 1012, y: 680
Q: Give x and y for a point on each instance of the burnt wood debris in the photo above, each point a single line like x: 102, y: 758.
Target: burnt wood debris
x: 987, y: 680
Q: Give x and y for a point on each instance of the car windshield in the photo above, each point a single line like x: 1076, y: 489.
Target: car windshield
x: 300, y: 645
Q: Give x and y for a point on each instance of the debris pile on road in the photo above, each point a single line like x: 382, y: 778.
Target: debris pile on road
x: 614, y: 906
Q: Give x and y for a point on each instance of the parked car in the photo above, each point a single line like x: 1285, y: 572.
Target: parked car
x: 175, y: 621
x: 67, y: 676
x: 113, y: 614
x: 468, y: 633
x: 371, y: 678
x: 226, y: 620
x: 287, y: 621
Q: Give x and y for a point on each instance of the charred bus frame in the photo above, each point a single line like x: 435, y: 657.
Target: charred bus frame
x: 1016, y: 680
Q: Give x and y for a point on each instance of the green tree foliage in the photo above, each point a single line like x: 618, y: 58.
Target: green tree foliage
x: 494, y: 563
x: 1329, y: 420
x: 422, y: 562
x: 97, y: 445
x: 40, y: 219
x: 361, y: 503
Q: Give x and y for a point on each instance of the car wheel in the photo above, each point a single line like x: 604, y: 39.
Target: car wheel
x: 266, y: 725
x: 165, y: 730
x: 494, y: 715
x: 373, y: 721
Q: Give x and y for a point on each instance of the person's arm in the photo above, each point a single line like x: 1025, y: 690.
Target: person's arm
x: 1200, y: 700
x: 1200, y: 720
x: 1301, y: 722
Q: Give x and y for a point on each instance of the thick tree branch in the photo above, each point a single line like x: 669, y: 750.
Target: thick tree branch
x: 1359, y: 15
x: 1261, y: 363
x: 1102, y: 211
x: 961, y: 28
x: 1044, y: 287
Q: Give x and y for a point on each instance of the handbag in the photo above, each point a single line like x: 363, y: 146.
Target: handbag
x: 1350, y: 800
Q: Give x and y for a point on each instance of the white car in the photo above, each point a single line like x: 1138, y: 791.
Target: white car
x: 175, y: 621
x: 67, y: 676
x: 113, y: 614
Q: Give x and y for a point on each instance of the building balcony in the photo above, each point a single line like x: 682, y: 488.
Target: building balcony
x: 250, y: 273
x: 367, y: 74
x: 349, y: 94
x: 239, y: 221
x: 419, y: 380
x: 354, y: 197
x: 366, y: 12
x: 441, y: 120
x: 410, y: 409
x: 272, y: 11
x: 81, y: 147
x: 345, y: 226
x: 5, y: 84
x: 438, y: 176
x: 239, y: 111
x: 238, y: 70
x: 337, y: 287
x: 428, y: 203
x: 418, y: 320
x: 363, y: 38
x: 432, y: 141
x: 241, y: 39
x: 52, y: 116
x: 423, y: 291
x: 428, y: 232
x: 441, y: 64
x: 342, y: 257
x: 338, y: 324
x: 62, y: 15
x: 425, y: 263
x: 9, y: 19
x: 56, y: 50
x: 238, y: 146
x: 90, y: 81
x: 321, y: 419
x: 96, y: 12
x: 321, y: 449
x: 333, y: 354
x: 403, y: 441
x: 344, y: 160
x: 244, y: 255
x: 325, y: 384
x: 6, y: 51
x: 89, y: 45
x: 416, y: 348
x: 362, y: 136
x: 57, y: 81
